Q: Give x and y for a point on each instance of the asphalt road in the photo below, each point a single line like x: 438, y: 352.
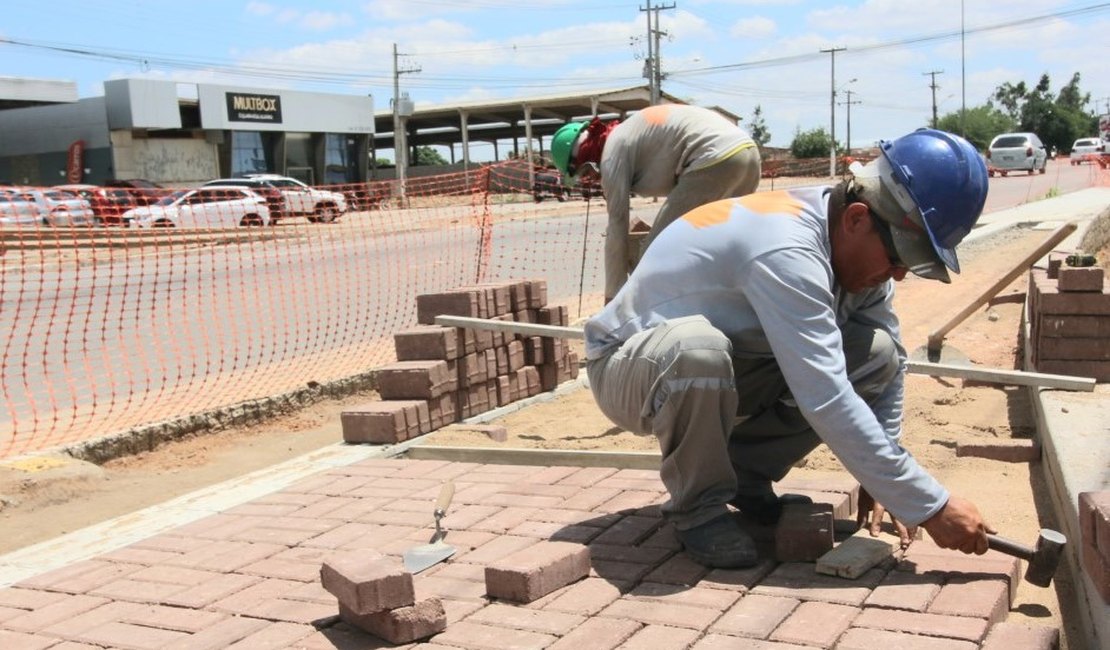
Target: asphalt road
x: 128, y: 339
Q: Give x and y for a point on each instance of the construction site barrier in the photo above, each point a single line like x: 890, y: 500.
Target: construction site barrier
x: 113, y: 326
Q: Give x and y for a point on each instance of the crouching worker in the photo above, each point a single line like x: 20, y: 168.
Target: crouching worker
x: 756, y: 328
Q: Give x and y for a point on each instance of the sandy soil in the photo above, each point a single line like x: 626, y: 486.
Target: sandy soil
x: 38, y: 505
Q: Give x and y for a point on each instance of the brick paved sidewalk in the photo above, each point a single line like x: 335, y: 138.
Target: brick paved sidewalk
x: 249, y: 577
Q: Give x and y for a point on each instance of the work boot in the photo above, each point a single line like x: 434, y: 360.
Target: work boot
x: 766, y: 508
x: 719, y: 543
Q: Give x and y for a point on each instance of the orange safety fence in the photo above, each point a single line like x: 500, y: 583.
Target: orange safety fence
x: 122, y: 316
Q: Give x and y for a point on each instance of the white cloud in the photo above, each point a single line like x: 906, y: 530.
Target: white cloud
x: 753, y: 27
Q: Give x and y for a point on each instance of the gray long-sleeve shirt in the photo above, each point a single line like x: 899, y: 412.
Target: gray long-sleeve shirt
x: 758, y: 268
x: 647, y: 155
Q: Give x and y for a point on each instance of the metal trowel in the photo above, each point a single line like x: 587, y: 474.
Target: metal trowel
x: 418, y: 558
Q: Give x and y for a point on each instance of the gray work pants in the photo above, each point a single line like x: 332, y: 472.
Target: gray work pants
x: 737, y: 175
x: 680, y: 382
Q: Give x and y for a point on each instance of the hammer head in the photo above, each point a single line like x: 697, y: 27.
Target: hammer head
x: 1045, y: 557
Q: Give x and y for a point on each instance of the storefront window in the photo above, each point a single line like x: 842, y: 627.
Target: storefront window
x: 298, y: 157
x: 252, y: 152
x: 340, y: 159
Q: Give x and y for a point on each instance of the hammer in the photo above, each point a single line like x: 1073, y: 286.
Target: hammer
x: 1042, y: 559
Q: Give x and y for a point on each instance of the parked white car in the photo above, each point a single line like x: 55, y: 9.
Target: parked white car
x: 298, y: 199
x: 1086, y: 150
x: 205, y: 207
x: 29, y: 207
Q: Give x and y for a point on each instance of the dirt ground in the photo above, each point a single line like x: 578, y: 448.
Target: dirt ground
x: 939, y: 413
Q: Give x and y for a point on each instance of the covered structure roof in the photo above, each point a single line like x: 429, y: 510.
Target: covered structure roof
x: 514, y: 119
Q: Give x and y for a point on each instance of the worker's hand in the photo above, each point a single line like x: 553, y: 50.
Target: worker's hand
x: 871, y: 515
x: 959, y: 526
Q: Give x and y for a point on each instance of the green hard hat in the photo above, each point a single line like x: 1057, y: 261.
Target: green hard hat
x: 562, y: 143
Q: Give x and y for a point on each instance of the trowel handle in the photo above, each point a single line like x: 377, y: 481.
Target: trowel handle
x: 446, y: 493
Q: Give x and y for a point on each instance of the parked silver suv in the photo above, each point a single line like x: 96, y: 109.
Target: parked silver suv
x: 1016, y: 151
x: 296, y: 198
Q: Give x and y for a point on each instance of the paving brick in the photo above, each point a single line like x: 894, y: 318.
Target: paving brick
x: 799, y: 580
x: 1053, y: 301
x: 989, y: 599
x: 629, y: 530
x: 488, y: 637
x: 226, y: 556
x: 720, y: 642
x: 272, y: 635
x: 62, y: 610
x: 139, y: 637
x: 738, y: 579
x: 80, y: 577
x: 497, y: 548
x: 902, y: 590
x: 586, y: 597
x: 453, y: 303
x: 401, y: 625
x: 815, y: 623
x: 1098, y: 370
x: 218, y: 587
x: 925, y: 557
x: 678, y: 570
x: 449, y: 588
x: 754, y: 616
x: 1009, y: 451
x: 804, y: 532
x: 660, y: 637
x: 1096, y: 568
x: 854, y: 556
x: 28, y: 599
x: 407, y: 380
x: 718, y: 599
x: 1074, y: 326
x: 1016, y: 636
x: 1094, y: 520
x: 859, y: 638
x: 597, y: 634
x: 950, y: 627
x: 427, y: 342
x: 9, y: 639
x: 521, y: 618
x: 536, y: 571
x: 1081, y: 279
x: 658, y: 613
x: 365, y: 581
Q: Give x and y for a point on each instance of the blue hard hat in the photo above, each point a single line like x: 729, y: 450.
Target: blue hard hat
x: 947, y: 180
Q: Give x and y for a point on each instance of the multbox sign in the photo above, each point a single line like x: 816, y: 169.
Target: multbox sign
x: 250, y: 107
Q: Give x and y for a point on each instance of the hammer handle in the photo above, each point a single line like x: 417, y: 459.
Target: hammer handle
x: 1003, y: 545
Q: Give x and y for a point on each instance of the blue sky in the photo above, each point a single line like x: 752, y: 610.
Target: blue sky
x: 733, y: 53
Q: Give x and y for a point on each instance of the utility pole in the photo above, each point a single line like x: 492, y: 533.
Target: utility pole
x: 652, y: 69
x: 832, y: 107
x: 934, y: 86
x: 402, y: 109
x: 848, y: 102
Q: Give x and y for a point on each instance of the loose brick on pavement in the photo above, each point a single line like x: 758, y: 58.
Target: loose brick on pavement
x: 365, y: 581
x: 804, y: 532
x: 536, y: 571
x: 854, y: 556
x: 1016, y: 636
x: 402, y: 624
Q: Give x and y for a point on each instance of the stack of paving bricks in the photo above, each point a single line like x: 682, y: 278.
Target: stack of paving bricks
x: 447, y: 374
x: 376, y: 595
x: 1070, y: 320
x: 1094, y: 533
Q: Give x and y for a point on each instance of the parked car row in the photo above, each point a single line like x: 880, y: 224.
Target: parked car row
x: 253, y: 200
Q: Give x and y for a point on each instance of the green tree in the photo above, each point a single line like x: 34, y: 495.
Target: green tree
x: 810, y: 144
x: 426, y: 155
x: 1058, y: 120
x: 757, y: 127
x: 980, y: 124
